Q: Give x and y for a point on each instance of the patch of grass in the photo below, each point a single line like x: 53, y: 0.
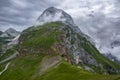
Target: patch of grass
x: 7, y: 54
x: 25, y: 67
x: 66, y: 71
x: 22, y: 68
x: 1, y: 48
x: 43, y: 41
x: 41, y: 36
x: 2, y: 66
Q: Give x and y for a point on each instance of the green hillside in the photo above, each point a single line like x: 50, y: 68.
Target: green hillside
x: 29, y: 67
x: 43, y: 56
x: 43, y: 38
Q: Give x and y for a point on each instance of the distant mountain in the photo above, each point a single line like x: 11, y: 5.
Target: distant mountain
x: 10, y: 33
x: 115, y: 43
x: 7, y: 37
x: 113, y: 49
x: 112, y: 58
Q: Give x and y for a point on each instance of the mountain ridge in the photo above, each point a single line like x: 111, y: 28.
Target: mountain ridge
x: 72, y: 43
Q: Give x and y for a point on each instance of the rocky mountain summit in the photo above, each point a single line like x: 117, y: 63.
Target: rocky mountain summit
x: 53, y: 14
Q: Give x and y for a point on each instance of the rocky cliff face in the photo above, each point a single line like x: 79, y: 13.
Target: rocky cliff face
x: 65, y: 39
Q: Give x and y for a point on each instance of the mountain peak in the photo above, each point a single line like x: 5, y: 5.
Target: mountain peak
x: 10, y: 32
x: 51, y: 9
x: 53, y: 14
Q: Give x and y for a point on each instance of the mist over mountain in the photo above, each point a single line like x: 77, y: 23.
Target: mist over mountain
x: 52, y: 14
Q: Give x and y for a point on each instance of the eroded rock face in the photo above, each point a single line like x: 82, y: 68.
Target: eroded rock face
x: 76, y: 53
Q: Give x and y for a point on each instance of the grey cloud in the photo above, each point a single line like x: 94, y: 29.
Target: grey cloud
x: 4, y: 3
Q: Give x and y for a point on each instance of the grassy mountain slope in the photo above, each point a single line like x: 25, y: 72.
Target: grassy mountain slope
x: 29, y: 67
x: 49, y: 37
x: 43, y: 56
x: 96, y: 54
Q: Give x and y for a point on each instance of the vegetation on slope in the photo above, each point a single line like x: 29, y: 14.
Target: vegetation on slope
x: 41, y: 37
x: 40, y: 40
x: 22, y: 68
x: 7, y: 54
x: 28, y: 67
x: 66, y: 71
x: 98, y: 56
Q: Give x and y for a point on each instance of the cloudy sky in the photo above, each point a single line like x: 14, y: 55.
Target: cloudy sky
x: 100, y: 19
